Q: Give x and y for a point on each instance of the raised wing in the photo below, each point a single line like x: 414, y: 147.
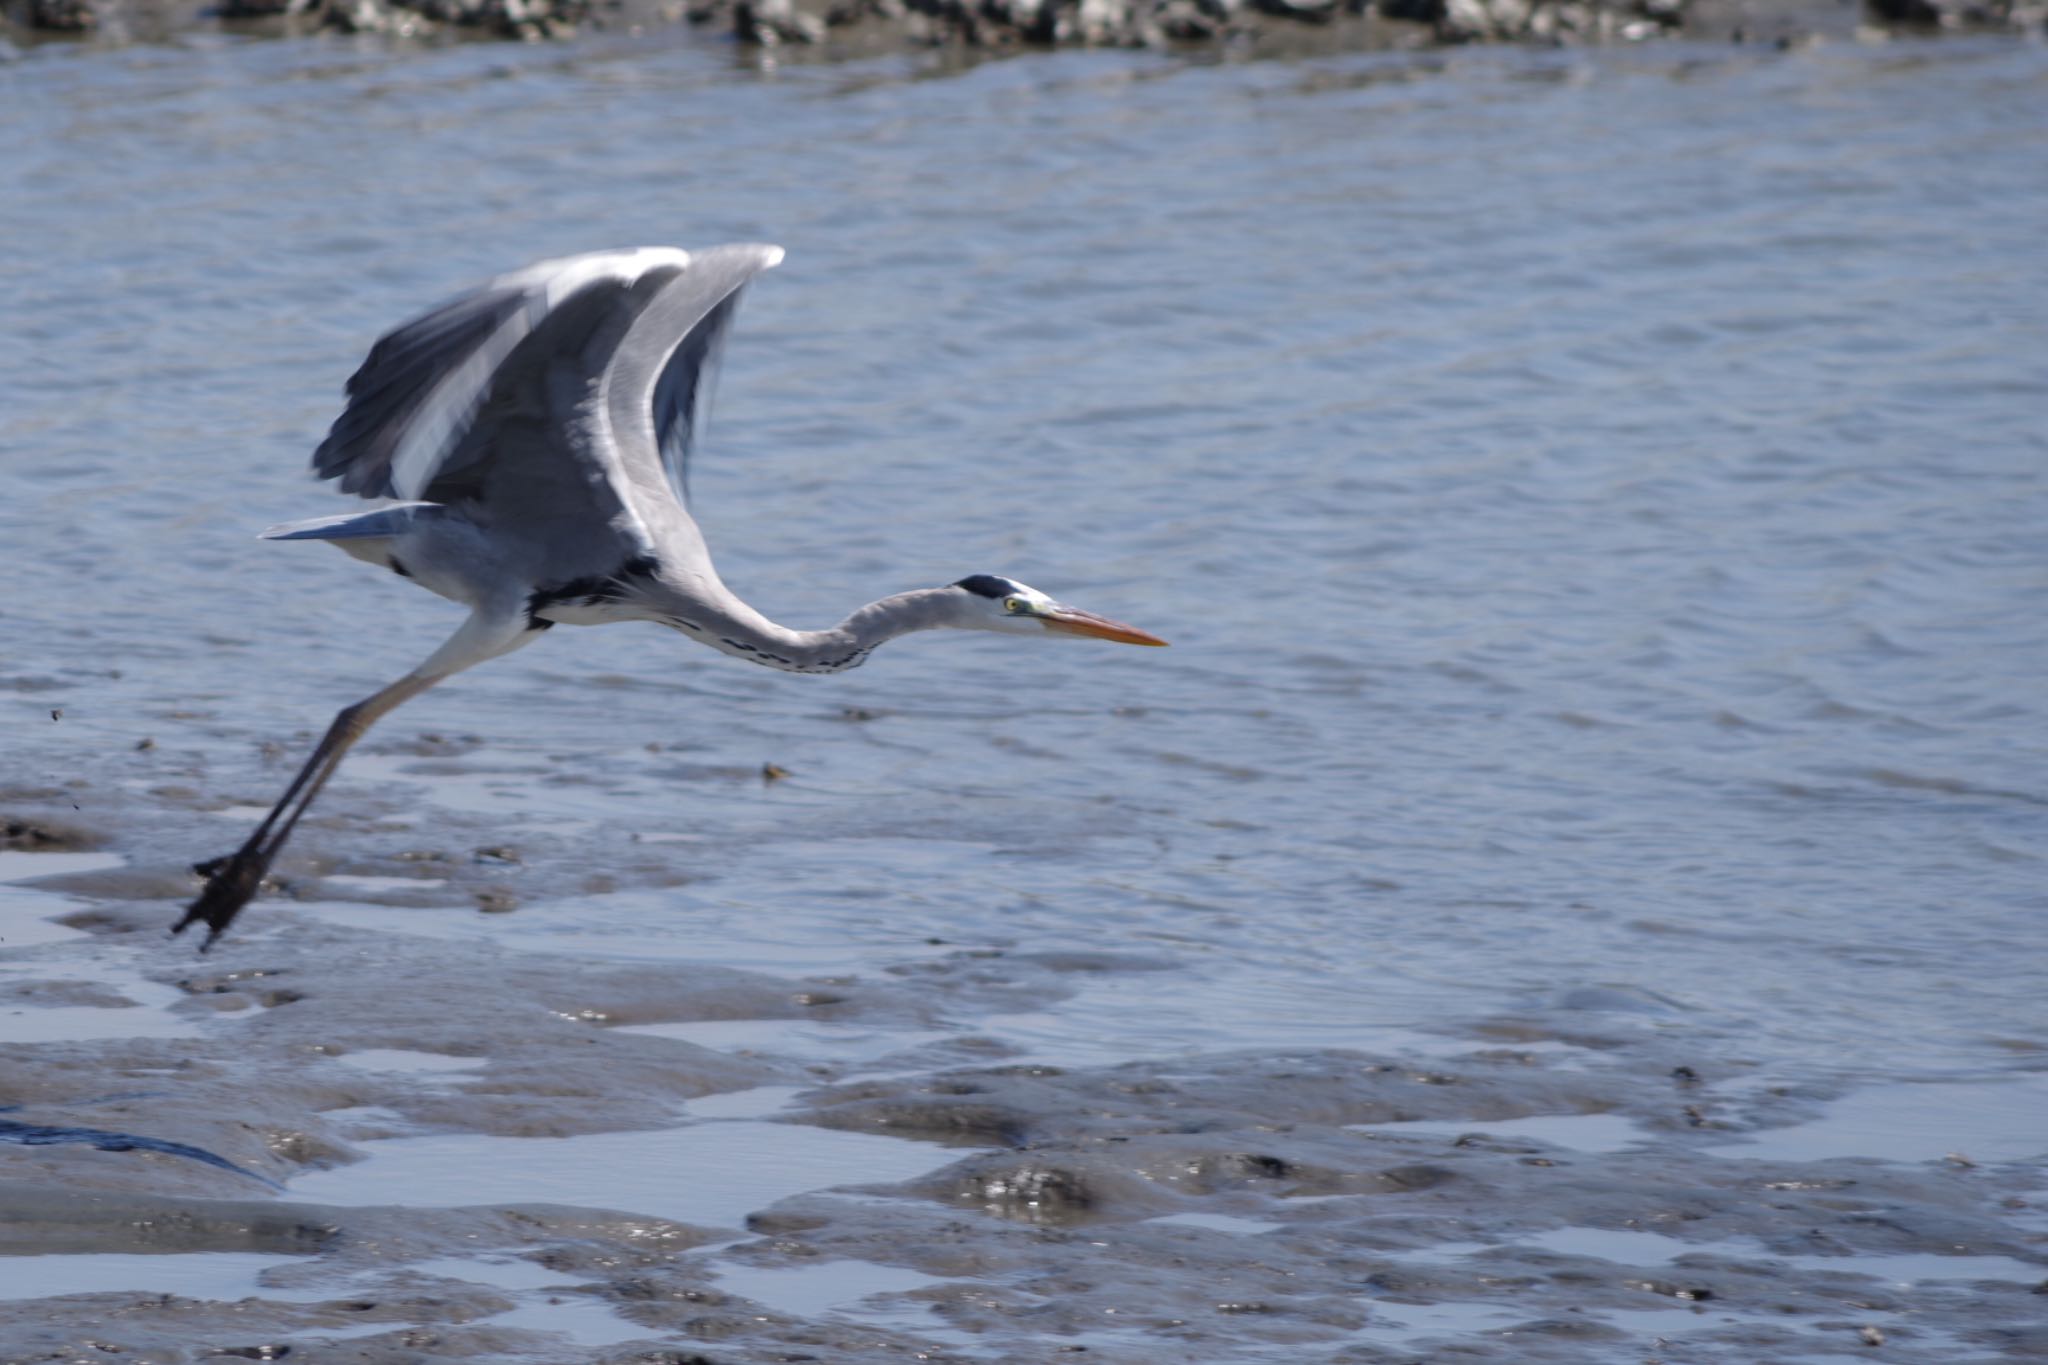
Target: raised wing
x: 429, y: 407
x: 659, y: 387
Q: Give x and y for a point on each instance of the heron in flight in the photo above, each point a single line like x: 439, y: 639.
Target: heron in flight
x: 536, y: 434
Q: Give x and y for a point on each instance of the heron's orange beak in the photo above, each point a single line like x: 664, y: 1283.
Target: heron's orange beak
x: 1066, y: 620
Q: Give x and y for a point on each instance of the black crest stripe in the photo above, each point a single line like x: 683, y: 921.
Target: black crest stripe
x: 987, y: 585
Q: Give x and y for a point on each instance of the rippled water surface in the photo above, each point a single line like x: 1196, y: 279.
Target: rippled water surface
x: 1597, y: 501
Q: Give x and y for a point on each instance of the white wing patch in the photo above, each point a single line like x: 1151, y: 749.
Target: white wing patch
x: 448, y: 410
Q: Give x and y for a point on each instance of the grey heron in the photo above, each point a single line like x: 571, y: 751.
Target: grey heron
x: 535, y: 436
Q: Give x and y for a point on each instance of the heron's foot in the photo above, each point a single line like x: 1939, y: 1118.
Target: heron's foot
x: 231, y: 883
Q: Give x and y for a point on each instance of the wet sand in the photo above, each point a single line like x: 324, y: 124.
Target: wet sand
x: 441, y: 1133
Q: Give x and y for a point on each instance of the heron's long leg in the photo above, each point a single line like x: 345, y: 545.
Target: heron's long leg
x: 232, y: 883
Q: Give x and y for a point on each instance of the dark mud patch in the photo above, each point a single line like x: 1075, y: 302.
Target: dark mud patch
x: 47, y: 834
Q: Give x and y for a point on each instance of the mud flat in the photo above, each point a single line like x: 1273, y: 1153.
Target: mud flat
x: 410, y: 1131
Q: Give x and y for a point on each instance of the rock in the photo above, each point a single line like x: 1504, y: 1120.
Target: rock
x: 771, y: 22
x: 2014, y: 16
x: 1470, y: 21
x: 1308, y: 11
x: 261, y: 9
x: 359, y: 16
x: 63, y: 16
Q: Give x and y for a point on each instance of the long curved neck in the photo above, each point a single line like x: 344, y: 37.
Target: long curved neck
x: 739, y: 630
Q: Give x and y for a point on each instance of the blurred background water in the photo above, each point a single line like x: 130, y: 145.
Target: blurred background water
x: 1597, y: 500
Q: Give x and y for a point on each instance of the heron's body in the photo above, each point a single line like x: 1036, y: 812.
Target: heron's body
x: 462, y: 555
x: 536, y: 436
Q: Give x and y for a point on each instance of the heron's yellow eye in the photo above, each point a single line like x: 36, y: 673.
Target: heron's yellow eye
x: 1013, y: 604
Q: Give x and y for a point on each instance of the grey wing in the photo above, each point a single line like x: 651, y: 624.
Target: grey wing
x: 667, y: 365
x: 488, y: 388
x: 421, y: 385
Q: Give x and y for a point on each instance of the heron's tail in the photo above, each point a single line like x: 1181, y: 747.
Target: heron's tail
x: 383, y: 521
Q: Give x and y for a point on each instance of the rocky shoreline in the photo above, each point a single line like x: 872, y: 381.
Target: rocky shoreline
x: 868, y: 25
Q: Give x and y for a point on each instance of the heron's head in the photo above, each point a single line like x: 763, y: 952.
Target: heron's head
x: 992, y: 602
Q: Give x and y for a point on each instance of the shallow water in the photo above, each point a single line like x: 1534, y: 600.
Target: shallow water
x: 1578, y: 1132
x: 1595, y: 499
x: 221, y: 1274
x: 662, y: 1175
x: 1988, y: 1121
